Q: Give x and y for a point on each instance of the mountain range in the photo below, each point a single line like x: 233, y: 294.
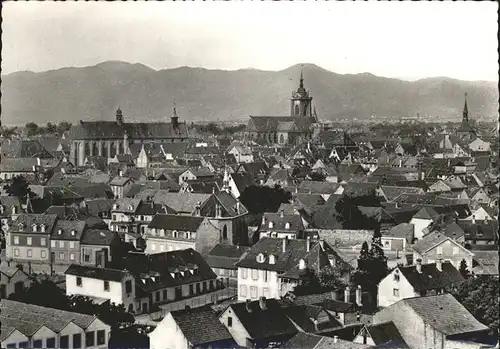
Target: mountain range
x: 145, y: 94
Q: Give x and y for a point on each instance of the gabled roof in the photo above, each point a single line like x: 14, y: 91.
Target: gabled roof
x: 445, y: 314
x: 176, y: 222
x: 384, y: 333
x: 98, y: 237
x: 200, y: 326
x: 279, y: 223
x: 426, y: 212
x: 315, y: 187
x: 68, y: 230
x: 432, y: 240
x: 180, y: 202
x: 25, y: 148
x: 431, y: 278
x: 99, y: 273
x: 263, y: 323
x: 225, y: 256
x: 27, y: 220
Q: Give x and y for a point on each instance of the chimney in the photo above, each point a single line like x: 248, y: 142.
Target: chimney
x: 359, y: 296
x: 308, y: 244
x: 198, y: 209
x: 263, y: 220
x: 285, y: 242
x: 262, y: 303
x: 347, y: 295
x: 322, y: 244
x: 120, y: 173
x: 38, y: 162
x: 238, y: 207
x: 282, y: 213
x: 335, y: 295
x: 400, y: 162
x: 439, y: 264
x: 335, y: 339
x: 419, y: 266
x: 473, y: 219
x: 247, y: 305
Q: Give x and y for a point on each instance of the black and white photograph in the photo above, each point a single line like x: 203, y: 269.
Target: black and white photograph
x: 249, y: 175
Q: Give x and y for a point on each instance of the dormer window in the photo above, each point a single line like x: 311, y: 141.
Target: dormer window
x: 1, y: 208
x: 130, y: 207
x: 21, y: 226
x: 13, y: 209
x: 271, y: 225
x: 33, y: 228
x: 73, y: 232
x: 153, y: 231
x: 302, y: 264
x: 59, y: 231
x: 162, y: 232
x: 272, y: 259
x: 260, y: 258
x: 175, y: 233
x: 287, y: 225
x: 115, y: 206
x: 42, y: 228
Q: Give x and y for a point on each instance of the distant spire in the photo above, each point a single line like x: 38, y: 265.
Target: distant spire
x: 466, y: 110
x: 174, y: 111
x: 301, y: 78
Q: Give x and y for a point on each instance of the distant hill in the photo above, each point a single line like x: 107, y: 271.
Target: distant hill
x: 94, y: 93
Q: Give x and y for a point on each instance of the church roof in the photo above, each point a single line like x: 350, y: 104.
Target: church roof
x: 112, y: 130
x: 279, y: 123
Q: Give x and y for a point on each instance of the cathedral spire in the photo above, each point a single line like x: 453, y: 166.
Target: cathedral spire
x: 466, y: 110
x: 174, y: 119
x: 301, y: 78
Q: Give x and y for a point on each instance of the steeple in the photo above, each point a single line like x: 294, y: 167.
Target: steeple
x: 225, y: 181
x: 119, y: 116
x: 301, y: 102
x: 301, y: 79
x: 466, y: 110
x: 174, y: 119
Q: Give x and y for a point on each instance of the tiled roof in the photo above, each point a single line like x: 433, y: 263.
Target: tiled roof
x: 97, y: 237
x: 68, y: 230
x: 431, y: 278
x: 112, y: 130
x: 126, y: 205
x: 28, y: 219
x: 303, y: 315
x: 261, y: 324
x: 429, y: 241
x: 9, y: 270
x: 200, y: 325
x: 403, y: 230
x: 120, y: 181
x: 426, y: 213
x: 96, y: 272
x: 445, y: 314
x: 309, y: 199
x: 25, y: 148
x: 392, y: 192
x: 225, y: 256
x: 279, y: 222
x: 17, y: 164
x: 180, y: 202
x: 303, y: 340
x: 176, y: 222
x: 384, y: 333
x: 314, y: 187
x: 28, y: 318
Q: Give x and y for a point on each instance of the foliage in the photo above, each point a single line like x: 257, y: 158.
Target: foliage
x: 463, y: 269
x: 216, y: 130
x: 19, y: 187
x: 32, y: 129
x: 317, y: 176
x: 479, y: 295
x: 329, y: 279
x: 260, y: 199
x: 349, y: 214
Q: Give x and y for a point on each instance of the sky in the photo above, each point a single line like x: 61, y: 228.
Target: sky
x: 408, y: 40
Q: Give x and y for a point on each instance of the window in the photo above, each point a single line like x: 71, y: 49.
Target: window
x: 439, y: 250
x: 265, y: 275
x: 229, y: 321
x: 153, y: 247
x: 24, y: 344
x: 165, y: 295
x: 13, y: 345
x: 86, y: 256
x: 287, y: 225
x: 395, y: 292
x: 101, y: 337
x: 61, y: 256
x: 71, y: 244
x: 50, y: 342
x: 255, y: 274
x: 43, y: 241
x: 37, y: 343
x: 157, y: 296
x: 106, y: 285
x: 396, y: 277
x: 243, y: 273
x: 89, y: 339
x: 175, y: 234
x: 29, y: 240
x: 191, y: 290
x: 128, y: 286
x: 16, y: 240
x: 253, y: 292
x: 77, y: 340
x: 162, y: 248
x: 29, y: 253
x: 198, y: 288
x: 211, y: 285
x: 224, y: 233
x: 16, y: 252
x: 78, y: 281
x: 265, y: 292
x: 204, y: 286
x: 243, y: 290
x: 64, y: 342
x: 271, y: 225
x: 61, y: 244
x: 52, y: 243
x: 455, y: 250
x: 71, y: 256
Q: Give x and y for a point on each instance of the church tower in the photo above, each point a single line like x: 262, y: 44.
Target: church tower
x: 301, y: 102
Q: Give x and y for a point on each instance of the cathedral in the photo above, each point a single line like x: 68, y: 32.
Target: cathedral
x: 110, y: 138
x: 286, y: 130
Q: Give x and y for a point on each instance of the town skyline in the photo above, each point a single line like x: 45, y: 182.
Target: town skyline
x: 218, y: 36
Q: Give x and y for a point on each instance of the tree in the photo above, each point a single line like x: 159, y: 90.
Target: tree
x: 378, y: 260
x: 63, y: 127
x: 349, y: 214
x: 463, y: 269
x: 19, y: 187
x: 51, y: 128
x: 264, y: 199
x: 328, y: 279
x: 317, y: 176
x: 32, y: 129
x: 479, y: 295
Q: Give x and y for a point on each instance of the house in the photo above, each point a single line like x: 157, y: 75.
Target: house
x: 27, y: 167
x: 65, y: 241
x: 279, y: 225
x: 437, y: 321
x: 10, y: 208
x: 260, y: 324
x: 311, y: 318
x: 239, y: 181
x: 191, y: 328
x: 196, y: 174
x: 325, y: 189
x: 480, y: 214
x: 97, y: 246
x: 222, y: 259
x: 417, y: 280
x: 313, y: 341
x: 422, y: 219
x: 282, y: 177
x: 479, y: 147
x: 437, y: 245
x: 479, y: 232
x: 120, y: 185
x: 241, y: 153
x: 28, y: 239
x: 32, y: 326
x: 117, y: 286
x: 385, y: 335
x: 398, y: 237
x: 272, y: 267
x: 13, y: 280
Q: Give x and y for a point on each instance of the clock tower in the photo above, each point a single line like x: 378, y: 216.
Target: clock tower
x: 301, y: 102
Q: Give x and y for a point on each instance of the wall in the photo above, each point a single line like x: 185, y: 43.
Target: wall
x: 344, y: 237
x: 386, y: 289
x: 10, y: 282
x: 167, y: 335
x: 419, y: 226
x: 393, y: 243
x: 92, y: 249
x: 268, y: 289
x: 447, y: 254
x: 237, y: 330
x: 95, y: 288
x: 67, y: 250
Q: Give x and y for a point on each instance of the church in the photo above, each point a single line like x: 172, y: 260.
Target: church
x: 466, y: 130
x: 110, y: 138
x: 286, y: 130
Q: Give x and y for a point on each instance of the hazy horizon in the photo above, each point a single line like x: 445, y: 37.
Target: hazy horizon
x: 404, y: 40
